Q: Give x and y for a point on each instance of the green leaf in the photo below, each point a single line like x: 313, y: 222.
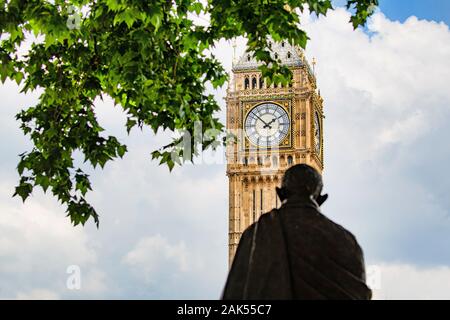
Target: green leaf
x: 196, y: 7
x: 42, y: 181
x: 121, y: 150
x: 18, y: 77
x: 23, y: 190
x: 130, y: 124
x: 155, y: 20
x: 82, y: 183
x: 114, y: 5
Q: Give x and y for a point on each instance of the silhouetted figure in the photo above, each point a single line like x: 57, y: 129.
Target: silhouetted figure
x: 295, y: 252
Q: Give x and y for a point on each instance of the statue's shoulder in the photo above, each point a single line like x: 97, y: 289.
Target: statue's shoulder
x: 310, y: 217
x: 268, y: 220
x: 268, y: 216
x: 346, y: 234
x: 264, y: 220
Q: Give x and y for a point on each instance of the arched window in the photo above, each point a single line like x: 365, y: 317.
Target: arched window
x: 248, y: 57
x: 282, y: 44
x: 275, y: 161
x: 276, y: 56
x: 289, y: 160
x: 245, y: 160
x: 246, y: 83
x: 288, y: 55
x: 254, y: 83
x: 261, y: 82
x: 259, y: 161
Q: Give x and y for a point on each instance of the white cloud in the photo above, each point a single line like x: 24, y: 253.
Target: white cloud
x: 152, y: 255
x: 404, y: 130
x: 28, y: 231
x: 94, y: 282
x: 407, y: 282
x: 37, y: 244
x: 165, y: 269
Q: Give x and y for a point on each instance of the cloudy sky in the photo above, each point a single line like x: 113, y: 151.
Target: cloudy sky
x: 164, y: 235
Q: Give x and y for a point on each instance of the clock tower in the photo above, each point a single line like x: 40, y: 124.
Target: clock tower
x: 276, y: 127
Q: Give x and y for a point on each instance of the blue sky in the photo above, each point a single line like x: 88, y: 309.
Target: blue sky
x: 164, y: 235
x: 437, y: 10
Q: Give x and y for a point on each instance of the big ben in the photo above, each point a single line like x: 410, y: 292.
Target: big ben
x: 276, y: 127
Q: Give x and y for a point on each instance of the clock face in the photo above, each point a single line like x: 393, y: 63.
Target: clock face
x: 267, y: 125
x: 317, y: 132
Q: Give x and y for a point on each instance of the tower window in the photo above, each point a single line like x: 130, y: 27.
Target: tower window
x: 245, y: 160
x: 246, y: 83
x: 248, y: 57
x: 261, y: 82
x: 289, y: 160
x: 288, y: 55
x: 282, y: 44
x: 259, y: 161
x: 276, y: 56
x: 254, y: 83
x: 275, y: 161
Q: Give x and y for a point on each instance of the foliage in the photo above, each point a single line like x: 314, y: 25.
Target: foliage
x: 150, y: 57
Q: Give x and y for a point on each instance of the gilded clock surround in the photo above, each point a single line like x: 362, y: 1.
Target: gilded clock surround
x: 254, y: 171
x: 247, y: 107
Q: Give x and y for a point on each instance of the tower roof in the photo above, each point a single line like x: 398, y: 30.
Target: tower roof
x: 288, y: 54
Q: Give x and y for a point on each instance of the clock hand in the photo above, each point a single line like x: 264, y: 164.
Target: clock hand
x: 265, y: 123
x: 271, y: 121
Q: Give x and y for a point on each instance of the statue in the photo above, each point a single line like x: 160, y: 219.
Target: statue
x: 295, y: 252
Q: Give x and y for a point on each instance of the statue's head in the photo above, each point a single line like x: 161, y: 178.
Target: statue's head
x: 303, y: 181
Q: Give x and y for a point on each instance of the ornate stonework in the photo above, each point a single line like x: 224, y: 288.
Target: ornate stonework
x: 255, y: 170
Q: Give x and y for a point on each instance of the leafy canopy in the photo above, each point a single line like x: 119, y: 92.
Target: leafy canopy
x: 150, y: 57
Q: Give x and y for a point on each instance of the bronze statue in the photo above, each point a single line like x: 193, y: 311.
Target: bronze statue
x: 295, y: 252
